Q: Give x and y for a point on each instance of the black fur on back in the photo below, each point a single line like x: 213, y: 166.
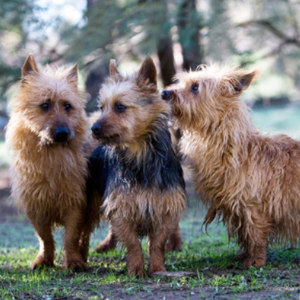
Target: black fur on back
x: 158, y: 166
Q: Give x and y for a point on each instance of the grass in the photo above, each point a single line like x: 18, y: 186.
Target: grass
x: 210, y: 257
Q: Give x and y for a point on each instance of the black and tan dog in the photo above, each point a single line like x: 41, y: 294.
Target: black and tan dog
x: 135, y: 168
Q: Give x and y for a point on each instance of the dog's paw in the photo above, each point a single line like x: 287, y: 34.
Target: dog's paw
x: 75, y: 263
x: 138, y: 271
x: 157, y: 268
x: 173, y: 247
x: 255, y: 262
x: 104, y: 247
x: 42, y: 262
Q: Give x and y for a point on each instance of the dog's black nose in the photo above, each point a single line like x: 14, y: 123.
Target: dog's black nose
x: 165, y: 95
x: 96, y: 128
x: 61, y: 134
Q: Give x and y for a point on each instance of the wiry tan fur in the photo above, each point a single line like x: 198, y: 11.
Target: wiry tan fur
x: 48, y: 178
x: 249, y: 180
x: 139, y: 203
x: 137, y: 211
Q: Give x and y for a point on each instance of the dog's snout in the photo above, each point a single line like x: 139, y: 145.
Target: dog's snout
x: 96, y: 128
x: 61, y: 134
x: 165, y: 95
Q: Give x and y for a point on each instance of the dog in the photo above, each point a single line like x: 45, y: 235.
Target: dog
x: 47, y: 132
x: 135, y: 169
x: 249, y: 180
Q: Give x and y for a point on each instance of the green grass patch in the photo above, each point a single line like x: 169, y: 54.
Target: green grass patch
x: 211, y: 257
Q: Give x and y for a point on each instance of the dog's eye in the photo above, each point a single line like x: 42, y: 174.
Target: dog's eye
x: 68, y: 107
x: 195, y: 87
x: 120, y: 108
x: 45, y: 106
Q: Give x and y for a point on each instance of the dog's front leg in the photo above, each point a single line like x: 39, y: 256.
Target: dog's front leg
x: 156, y: 248
x: 73, y: 225
x: 125, y: 232
x: 45, y: 256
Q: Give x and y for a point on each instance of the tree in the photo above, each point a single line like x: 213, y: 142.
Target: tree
x: 220, y: 35
x: 189, y: 25
x: 274, y: 30
x: 13, y: 17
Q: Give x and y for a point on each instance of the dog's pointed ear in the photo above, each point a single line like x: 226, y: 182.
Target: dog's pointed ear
x: 243, y: 81
x: 147, y: 73
x: 113, y: 71
x: 72, y: 75
x: 29, y: 66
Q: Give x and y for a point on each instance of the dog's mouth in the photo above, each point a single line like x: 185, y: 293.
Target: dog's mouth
x: 177, y: 112
x: 171, y: 97
x: 103, y: 133
x: 108, y: 139
x: 49, y: 142
x: 56, y: 136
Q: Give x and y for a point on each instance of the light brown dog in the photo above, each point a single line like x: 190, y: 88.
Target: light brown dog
x: 249, y: 180
x: 47, y: 133
x: 144, y: 193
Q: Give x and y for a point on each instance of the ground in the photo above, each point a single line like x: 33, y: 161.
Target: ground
x: 209, y: 259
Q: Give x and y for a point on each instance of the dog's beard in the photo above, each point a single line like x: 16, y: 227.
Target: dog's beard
x: 114, y: 139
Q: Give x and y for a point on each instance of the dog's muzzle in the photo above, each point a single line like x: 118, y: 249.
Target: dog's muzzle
x: 96, y: 128
x: 166, y: 95
x: 61, y: 134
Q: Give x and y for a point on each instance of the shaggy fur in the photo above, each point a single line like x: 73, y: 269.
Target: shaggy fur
x: 135, y: 168
x: 249, y: 180
x: 47, y: 133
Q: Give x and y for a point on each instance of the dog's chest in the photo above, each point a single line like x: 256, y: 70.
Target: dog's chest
x: 51, y: 175
x: 139, y: 206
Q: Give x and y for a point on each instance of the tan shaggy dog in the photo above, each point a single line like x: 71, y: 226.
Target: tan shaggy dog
x: 47, y: 133
x: 144, y: 193
x: 249, y: 180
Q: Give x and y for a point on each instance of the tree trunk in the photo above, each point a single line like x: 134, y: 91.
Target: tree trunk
x: 93, y: 84
x: 166, y: 59
x: 189, y: 37
x: 164, y: 45
x: 96, y: 75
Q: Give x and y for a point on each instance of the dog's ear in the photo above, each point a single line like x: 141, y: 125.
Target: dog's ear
x: 113, y: 71
x: 244, y: 81
x: 29, y: 66
x: 147, y: 73
x: 238, y: 82
x: 72, y: 75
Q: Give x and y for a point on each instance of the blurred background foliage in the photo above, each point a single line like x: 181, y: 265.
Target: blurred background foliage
x: 178, y: 34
